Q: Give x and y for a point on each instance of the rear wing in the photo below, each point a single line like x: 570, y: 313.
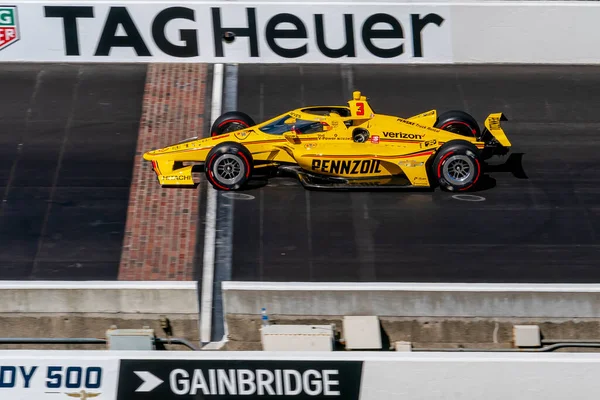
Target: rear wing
x: 493, y: 131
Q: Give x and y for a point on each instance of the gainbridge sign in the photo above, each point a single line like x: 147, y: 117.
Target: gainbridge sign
x: 229, y: 379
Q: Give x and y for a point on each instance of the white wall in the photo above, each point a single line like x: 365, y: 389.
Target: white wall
x: 355, y: 375
x: 468, y: 32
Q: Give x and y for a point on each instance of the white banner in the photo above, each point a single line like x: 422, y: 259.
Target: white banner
x: 175, y: 375
x: 197, y: 32
x: 300, y: 32
x: 48, y: 375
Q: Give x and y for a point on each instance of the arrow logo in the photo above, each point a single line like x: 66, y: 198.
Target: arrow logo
x: 150, y: 381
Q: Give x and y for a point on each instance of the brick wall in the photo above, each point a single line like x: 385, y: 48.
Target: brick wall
x: 160, y: 234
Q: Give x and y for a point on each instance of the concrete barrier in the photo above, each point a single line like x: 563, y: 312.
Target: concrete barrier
x: 427, y: 315
x: 414, y: 299
x: 150, y: 297
x: 88, y: 309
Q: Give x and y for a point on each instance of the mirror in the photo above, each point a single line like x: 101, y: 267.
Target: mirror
x: 291, y: 136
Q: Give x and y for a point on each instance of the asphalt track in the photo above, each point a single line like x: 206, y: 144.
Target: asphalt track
x: 538, y: 222
x: 67, y: 140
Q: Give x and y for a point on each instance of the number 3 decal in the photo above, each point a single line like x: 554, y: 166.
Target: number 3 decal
x: 361, y: 108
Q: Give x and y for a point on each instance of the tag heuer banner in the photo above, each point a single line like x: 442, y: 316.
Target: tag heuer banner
x: 9, y: 26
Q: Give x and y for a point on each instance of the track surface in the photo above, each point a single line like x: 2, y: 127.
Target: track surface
x: 67, y: 141
x: 540, y: 218
x: 68, y: 135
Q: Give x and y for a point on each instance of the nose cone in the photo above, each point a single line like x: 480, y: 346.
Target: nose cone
x: 149, y: 155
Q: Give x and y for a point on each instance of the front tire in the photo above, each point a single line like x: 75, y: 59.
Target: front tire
x: 458, y: 122
x: 457, y: 166
x: 231, y: 121
x: 229, y: 166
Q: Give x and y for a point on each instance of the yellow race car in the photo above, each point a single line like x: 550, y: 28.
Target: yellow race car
x: 338, y: 147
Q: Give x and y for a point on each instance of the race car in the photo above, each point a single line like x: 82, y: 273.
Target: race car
x: 338, y: 147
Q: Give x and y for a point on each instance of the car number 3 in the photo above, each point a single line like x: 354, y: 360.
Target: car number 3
x: 361, y: 108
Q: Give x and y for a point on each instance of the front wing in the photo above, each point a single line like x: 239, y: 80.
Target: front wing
x: 171, y: 174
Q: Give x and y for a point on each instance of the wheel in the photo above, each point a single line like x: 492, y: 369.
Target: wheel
x: 458, y: 122
x: 231, y: 121
x: 360, y: 135
x: 229, y: 166
x: 457, y: 166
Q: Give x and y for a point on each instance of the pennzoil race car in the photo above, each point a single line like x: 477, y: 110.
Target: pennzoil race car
x: 339, y: 147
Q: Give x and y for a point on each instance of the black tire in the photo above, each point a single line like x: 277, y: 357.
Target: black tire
x: 451, y: 162
x: 228, y: 159
x: 458, y: 122
x: 231, y: 121
x: 360, y: 135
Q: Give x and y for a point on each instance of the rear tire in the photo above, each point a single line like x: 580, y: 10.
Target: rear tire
x: 229, y: 166
x: 360, y: 135
x: 231, y: 121
x: 458, y: 122
x: 457, y: 166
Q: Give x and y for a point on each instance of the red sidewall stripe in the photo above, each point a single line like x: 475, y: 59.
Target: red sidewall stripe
x: 232, y: 120
x: 461, y: 123
x: 247, y: 163
x: 439, y: 170
x: 229, y: 121
x: 211, y: 175
x: 476, y: 178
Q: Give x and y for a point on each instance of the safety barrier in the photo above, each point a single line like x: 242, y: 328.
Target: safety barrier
x: 55, y: 309
x: 61, y: 297
x: 140, y: 375
x: 414, y: 299
x: 318, y: 31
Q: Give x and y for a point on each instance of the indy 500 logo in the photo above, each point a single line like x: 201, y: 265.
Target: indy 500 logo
x: 9, y: 29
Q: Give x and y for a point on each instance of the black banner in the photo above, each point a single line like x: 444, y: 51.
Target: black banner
x: 228, y: 379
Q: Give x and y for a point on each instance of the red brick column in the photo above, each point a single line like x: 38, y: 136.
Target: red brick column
x: 160, y: 234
